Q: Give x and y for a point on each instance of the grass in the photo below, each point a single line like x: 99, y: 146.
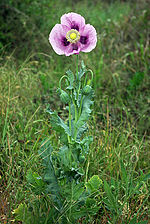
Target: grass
x: 120, y: 121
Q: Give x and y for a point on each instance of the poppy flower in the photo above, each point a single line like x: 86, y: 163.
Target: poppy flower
x: 72, y: 35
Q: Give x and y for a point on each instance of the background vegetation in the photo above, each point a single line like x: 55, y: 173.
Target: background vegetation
x: 120, y: 122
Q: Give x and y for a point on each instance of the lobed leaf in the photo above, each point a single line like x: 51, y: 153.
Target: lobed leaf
x: 112, y: 201
x: 81, y: 131
x: 84, y: 212
x: 57, y: 123
x: 74, y: 191
x: 82, y: 70
x: 49, y: 174
x: 93, y: 184
x: 35, y: 181
x: 71, y: 79
x: 85, y: 112
x: 65, y: 156
x: 22, y: 214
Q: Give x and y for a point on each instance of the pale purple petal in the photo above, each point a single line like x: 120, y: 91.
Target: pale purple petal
x: 57, y: 38
x: 88, y: 38
x: 73, y: 49
x: 73, y: 21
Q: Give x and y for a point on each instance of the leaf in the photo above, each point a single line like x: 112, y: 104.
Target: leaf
x: 85, y: 112
x: 35, y: 181
x: 22, y: 214
x: 57, y: 123
x: 76, y: 191
x: 112, y: 200
x: 87, y: 140
x: 84, y: 212
x: 73, y: 191
x: 34, y: 178
x: 93, y: 184
x: 65, y: 157
x: 91, y: 202
x: 71, y: 79
x: 82, y: 70
x: 108, y: 204
x: 49, y: 174
x: 81, y: 130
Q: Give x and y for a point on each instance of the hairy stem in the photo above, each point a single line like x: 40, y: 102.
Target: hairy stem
x: 70, y: 116
x: 77, y: 62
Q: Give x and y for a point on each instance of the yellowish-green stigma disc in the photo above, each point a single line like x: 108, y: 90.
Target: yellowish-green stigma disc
x: 73, y: 36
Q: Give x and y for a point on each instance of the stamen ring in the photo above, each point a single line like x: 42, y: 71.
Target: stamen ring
x: 73, y: 36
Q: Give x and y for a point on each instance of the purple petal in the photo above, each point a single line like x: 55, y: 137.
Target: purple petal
x: 73, y: 21
x: 57, y: 38
x: 73, y: 49
x: 88, y: 38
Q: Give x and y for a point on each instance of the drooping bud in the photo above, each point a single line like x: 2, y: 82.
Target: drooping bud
x: 87, y: 89
x: 64, y: 97
x: 82, y: 159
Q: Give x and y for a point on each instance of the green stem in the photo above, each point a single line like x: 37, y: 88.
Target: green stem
x: 76, y: 112
x: 69, y: 139
x: 87, y: 170
x: 80, y: 109
x: 89, y: 70
x: 77, y: 72
x: 64, y: 76
x: 84, y: 84
x: 70, y: 116
x: 76, y: 116
x: 77, y: 82
x: 85, y: 81
x: 77, y: 76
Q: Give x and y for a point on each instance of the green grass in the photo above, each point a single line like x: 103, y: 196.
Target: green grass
x: 120, y: 123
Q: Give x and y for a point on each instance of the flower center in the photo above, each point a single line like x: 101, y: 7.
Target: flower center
x: 73, y: 36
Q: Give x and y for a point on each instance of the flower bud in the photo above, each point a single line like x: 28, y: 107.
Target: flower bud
x: 87, y: 89
x: 81, y: 158
x: 64, y: 97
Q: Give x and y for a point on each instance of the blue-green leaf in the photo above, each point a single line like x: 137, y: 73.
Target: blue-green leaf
x: 65, y: 157
x: 85, y: 112
x: 57, y: 123
x: 71, y: 79
x: 75, y: 191
x: 35, y: 181
x: 81, y: 130
x: 82, y: 70
x: 49, y: 174
x: 84, y: 212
